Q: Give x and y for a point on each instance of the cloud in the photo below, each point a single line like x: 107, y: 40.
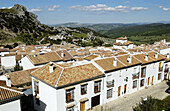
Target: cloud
x: 6, y: 7
x: 127, y: 2
x: 100, y: 8
x: 53, y: 7
x: 36, y: 10
x: 139, y: 8
x: 164, y: 8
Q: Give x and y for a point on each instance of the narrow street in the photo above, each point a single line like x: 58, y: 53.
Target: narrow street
x: 128, y: 101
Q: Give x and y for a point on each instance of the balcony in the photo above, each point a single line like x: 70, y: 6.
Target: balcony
x: 110, y: 83
x: 166, y: 70
x: 160, y: 69
x: 135, y: 76
x: 96, y: 89
x: 142, y: 76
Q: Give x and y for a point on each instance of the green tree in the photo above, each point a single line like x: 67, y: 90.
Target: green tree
x: 18, y: 68
x: 151, y: 104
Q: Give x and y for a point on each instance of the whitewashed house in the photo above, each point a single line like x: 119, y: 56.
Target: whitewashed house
x: 4, y: 51
x: 57, y: 88
x: 121, y: 76
x: 8, y: 63
x: 10, y: 99
x: 122, y: 42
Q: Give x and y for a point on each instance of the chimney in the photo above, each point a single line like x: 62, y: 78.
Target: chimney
x: 156, y: 55
x: 167, y: 55
x: 62, y: 54
x: 129, y: 59
x: 146, y: 57
x: 115, y: 62
x: 35, y: 55
x: 8, y: 81
x: 51, y: 67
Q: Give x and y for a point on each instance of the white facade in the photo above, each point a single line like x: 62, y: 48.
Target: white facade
x: 8, y: 62
x: 11, y: 106
x: 55, y: 99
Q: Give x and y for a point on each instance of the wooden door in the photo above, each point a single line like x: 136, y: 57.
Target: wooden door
x: 95, y: 101
x: 148, y: 80
x: 119, y: 89
x: 125, y: 88
x: 152, y: 79
x: 82, y: 106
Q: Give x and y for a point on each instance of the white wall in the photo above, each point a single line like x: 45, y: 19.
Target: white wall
x: 165, y: 51
x: 121, y: 41
x: 11, y: 106
x: 8, y: 61
x: 26, y: 63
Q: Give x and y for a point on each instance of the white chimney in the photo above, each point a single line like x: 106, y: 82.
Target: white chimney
x: 167, y: 56
x: 8, y: 81
x: 156, y: 55
x: 51, y: 67
x: 146, y: 57
x: 62, y: 54
x: 115, y: 62
x: 35, y: 55
x: 129, y: 59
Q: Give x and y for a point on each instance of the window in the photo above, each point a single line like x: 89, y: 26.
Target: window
x: 160, y: 68
x: 109, y: 93
x: 69, y: 95
x: 135, y: 84
x: 83, y: 89
x: 110, y: 82
x: 142, y: 82
x: 159, y: 76
x: 70, y: 109
x: 97, y: 86
x: 143, y: 72
x: 36, y: 87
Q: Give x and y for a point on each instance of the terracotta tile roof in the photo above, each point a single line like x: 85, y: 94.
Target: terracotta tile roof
x: 141, y: 58
x: 67, y: 56
x: 44, y: 74
x: 68, y: 75
x: 20, y: 77
x: 94, y: 52
x: 121, y: 53
x: 6, y: 93
x: 44, y: 58
x: 107, y: 64
x: 124, y: 44
x: 4, y: 50
x: 17, y: 57
x: 152, y: 55
x: 124, y: 58
x: 78, y: 59
x: 122, y: 38
x: 78, y: 73
x: 91, y: 57
x: 3, y: 83
x: 73, y: 53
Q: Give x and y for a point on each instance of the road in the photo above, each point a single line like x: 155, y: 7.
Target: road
x: 126, y: 102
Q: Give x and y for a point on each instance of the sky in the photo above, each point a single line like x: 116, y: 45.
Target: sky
x: 95, y: 11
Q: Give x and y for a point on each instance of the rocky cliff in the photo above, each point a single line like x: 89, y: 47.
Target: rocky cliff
x: 17, y: 20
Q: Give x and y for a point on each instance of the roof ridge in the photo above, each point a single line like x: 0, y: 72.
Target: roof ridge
x: 137, y: 59
x: 120, y: 61
x: 59, y: 77
x: 11, y: 90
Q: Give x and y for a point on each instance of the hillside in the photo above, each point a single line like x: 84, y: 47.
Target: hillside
x: 101, y: 27
x: 19, y: 25
x: 148, y: 33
